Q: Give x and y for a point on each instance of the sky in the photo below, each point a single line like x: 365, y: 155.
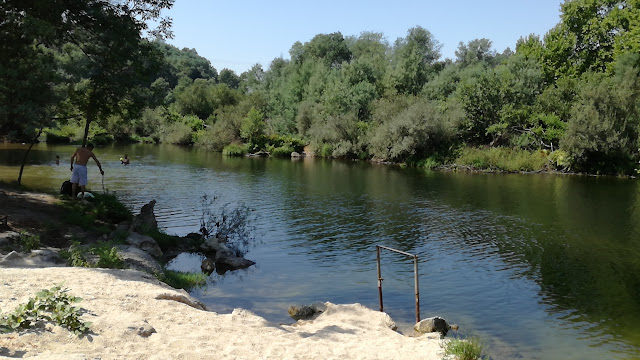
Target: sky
x: 238, y: 34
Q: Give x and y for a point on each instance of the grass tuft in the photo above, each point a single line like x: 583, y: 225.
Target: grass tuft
x: 182, y: 280
x: 235, y: 150
x: 467, y: 349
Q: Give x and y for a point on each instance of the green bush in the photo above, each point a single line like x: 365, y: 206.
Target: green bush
x: 75, y: 255
x: 602, y: 133
x: 54, y: 305
x: 176, y: 133
x: 235, y: 150
x: 102, y: 139
x: 418, y: 131
x: 29, y: 242
x: 107, y: 255
x: 502, y: 159
x: 325, y: 150
x: 429, y: 163
x: 560, y: 159
x: 108, y: 208
x: 53, y: 138
x: 276, y: 141
x: 64, y: 134
x: 105, y: 207
x: 282, y: 151
x: 216, y: 137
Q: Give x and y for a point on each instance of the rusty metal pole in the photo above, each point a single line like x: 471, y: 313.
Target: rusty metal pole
x: 415, y: 275
x: 379, y: 278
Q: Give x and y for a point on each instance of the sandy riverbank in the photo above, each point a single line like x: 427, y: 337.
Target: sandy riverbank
x: 119, y: 302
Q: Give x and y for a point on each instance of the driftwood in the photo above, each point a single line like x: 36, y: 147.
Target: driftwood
x: 182, y: 299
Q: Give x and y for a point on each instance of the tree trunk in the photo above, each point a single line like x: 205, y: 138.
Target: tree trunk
x: 24, y: 159
x: 90, y: 116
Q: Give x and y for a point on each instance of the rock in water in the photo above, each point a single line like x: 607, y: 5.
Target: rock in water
x: 298, y: 312
x: 146, y: 220
x: 432, y: 324
x: 207, y: 266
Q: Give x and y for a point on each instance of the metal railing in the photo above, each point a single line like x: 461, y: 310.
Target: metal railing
x: 415, y: 274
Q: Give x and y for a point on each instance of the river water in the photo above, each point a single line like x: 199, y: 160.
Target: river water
x: 540, y: 266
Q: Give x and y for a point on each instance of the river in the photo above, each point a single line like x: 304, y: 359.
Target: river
x: 540, y: 266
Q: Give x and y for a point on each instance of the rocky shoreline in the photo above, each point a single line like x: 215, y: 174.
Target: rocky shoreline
x: 138, y: 251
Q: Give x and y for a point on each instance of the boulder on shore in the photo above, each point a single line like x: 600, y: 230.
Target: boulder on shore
x: 137, y: 259
x: 145, y: 243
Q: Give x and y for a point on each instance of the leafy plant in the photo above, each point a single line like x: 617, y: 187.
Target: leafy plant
x: 54, y: 305
x: 75, y: 256
x: 465, y: 349
x: 29, y: 242
x: 107, y: 256
x: 109, y: 208
x: 105, y: 207
x: 282, y: 151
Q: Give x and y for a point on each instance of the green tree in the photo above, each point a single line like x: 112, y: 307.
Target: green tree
x: 602, y: 133
x: 413, y: 132
x: 413, y: 61
x: 331, y: 49
x: 229, y: 78
x: 474, y: 51
x: 252, y: 129
x: 27, y: 76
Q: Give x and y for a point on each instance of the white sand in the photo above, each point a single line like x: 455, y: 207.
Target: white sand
x: 119, y: 302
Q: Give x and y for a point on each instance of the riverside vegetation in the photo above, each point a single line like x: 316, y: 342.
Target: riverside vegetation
x: 567, y: 101
x: 96, y: 218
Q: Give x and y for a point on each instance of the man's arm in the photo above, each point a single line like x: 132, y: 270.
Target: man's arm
x: 97, y: 162
x: 73, y: 157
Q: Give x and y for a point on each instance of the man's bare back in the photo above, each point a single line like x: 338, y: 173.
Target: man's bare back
x: 82, y: 156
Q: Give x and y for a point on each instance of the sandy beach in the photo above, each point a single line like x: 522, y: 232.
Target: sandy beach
x: 123, y: 303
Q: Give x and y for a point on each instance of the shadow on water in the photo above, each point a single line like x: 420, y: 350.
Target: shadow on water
x: 543, y: 266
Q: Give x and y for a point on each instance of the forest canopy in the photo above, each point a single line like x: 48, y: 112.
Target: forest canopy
x: 567, y: 100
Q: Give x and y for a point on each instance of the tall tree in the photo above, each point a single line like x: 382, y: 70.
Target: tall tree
x: 413, y: 60
x: 474, y: 51
x: 109, y: 35
x: 229, y: 78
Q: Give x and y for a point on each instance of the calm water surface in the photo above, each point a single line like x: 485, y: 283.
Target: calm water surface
x: 541, y: 266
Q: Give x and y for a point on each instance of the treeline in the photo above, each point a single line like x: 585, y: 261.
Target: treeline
x: 568, y: 100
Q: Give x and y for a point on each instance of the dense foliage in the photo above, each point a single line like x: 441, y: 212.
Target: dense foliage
x: 571, y: 95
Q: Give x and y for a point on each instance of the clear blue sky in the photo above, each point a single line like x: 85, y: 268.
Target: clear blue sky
x: 238, y: 34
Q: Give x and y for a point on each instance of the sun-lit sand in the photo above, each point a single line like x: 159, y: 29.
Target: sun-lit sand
x: 121, y: 302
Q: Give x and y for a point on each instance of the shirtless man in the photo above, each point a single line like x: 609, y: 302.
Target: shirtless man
x: 79, y: 173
